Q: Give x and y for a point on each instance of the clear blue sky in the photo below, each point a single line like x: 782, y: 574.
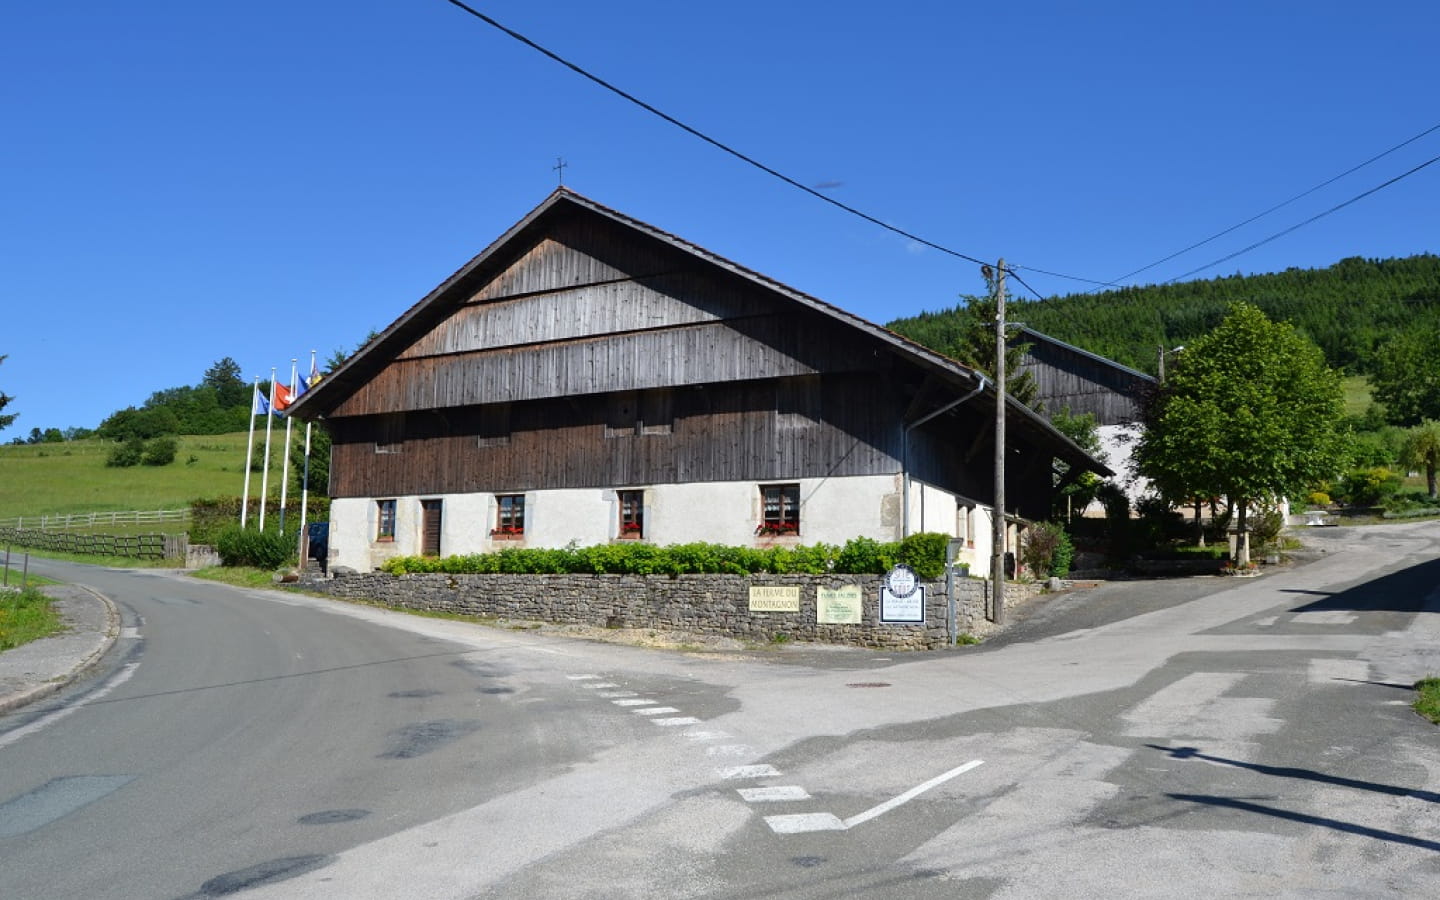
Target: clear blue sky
x: 181, y: 182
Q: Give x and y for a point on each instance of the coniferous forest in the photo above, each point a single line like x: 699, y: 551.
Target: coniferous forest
x: 1351, y: 310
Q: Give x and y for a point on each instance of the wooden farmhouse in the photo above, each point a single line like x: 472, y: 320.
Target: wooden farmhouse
x: 1067, y: 377
x: 591, y: 378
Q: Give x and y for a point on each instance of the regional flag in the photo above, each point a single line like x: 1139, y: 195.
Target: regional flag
x: 308, y: 382
x: 258, y: 406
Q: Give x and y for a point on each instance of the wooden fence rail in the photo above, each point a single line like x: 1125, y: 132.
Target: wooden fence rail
x: 136, y: 546
x: 66, y: 521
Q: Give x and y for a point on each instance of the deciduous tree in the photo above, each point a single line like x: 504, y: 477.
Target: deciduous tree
x: 5, y: 401
x: 1421, y: 450
x: 1249, y: 411
x: 1406, y: 378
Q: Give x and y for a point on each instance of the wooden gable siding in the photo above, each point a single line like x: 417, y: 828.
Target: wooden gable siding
x: 738, y: 350
x: 757, y: 431
x: 583, y: 313
x: 1085, y: 385
x: 558, y: 292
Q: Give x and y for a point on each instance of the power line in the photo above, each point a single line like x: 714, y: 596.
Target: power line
x: 1316, y: 217
x: 730, y: 150
x: 1281, y: 205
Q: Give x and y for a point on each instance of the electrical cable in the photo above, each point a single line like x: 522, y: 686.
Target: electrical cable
x: 1281, y: 205
x: 730, y: 150
x: 1299, y: 225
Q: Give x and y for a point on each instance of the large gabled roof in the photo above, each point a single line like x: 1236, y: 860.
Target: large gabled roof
x: 490, y: 262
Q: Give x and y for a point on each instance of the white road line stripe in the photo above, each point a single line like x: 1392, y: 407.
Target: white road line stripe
x: 707, y: 735
x: 597, y: 685
x: 799, y: 824
x: 730, y: 750
x: 611, y: 695
x: 632, y: 702
x: 678, y: 720
x: 749, y: 772
x: 116, y: 680
x: 655, y: 711
x: 773, y: 794
x: 911, y: 794
x: 582, y: 677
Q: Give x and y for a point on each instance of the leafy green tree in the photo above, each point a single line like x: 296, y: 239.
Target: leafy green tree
x: 1079, y: 492
x: 1406, y: 377
x: 144, y: 423
x: 159, y: 451
x: 127, y: 453
x: 975, y: 347
x: 4, y: 402
x: 1249, y: 412
x: 224, y: 378
x: 1421, y: 450
x: 319, y: 460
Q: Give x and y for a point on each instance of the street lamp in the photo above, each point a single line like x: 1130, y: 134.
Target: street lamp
x: 1163, y: 353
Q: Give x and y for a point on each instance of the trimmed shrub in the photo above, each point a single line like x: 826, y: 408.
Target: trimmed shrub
x: 251, y: 547
x: 925, y: 553
x: 210, y: 517
x: 1367, y: 487
x: 866, y: 556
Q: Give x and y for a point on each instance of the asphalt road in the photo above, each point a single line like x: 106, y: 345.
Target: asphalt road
x: 1200, y: 738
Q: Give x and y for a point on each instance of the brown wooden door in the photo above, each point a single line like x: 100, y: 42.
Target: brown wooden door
x: 430, y: 540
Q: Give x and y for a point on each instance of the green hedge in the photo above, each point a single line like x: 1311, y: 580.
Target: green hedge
x: 269, y: 549
x: 925, y: 553
x: 212, y: 517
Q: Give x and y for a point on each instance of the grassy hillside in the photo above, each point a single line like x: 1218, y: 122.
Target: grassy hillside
x: 45, y: 479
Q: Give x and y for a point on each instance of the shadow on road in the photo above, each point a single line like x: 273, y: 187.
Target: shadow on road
x: 1307, y: 819
x: 1305, y: 774
x: 1407, y: 590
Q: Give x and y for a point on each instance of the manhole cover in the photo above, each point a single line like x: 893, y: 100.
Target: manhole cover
x: 868, y: 684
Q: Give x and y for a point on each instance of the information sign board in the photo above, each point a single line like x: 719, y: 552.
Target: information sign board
x: 839, y: 606
x: 775, y: 598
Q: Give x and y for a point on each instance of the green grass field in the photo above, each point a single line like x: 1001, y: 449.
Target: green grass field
x: 1357, y: 394
x: 50, y: 479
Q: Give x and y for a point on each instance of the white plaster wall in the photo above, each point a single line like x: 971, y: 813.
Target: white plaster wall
x: 353, y: 523
x: 1117, y: 442
x: 832, y: 510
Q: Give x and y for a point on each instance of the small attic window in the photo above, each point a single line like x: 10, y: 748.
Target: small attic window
x: 390, y: 433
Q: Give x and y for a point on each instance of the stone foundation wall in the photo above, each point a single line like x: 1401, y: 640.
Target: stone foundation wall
x: 706, y: 604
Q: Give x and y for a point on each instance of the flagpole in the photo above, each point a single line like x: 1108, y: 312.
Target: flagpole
x: 265, y: 471
x: 249, y: 449
x: 305, y: 478
x: 285, y: 476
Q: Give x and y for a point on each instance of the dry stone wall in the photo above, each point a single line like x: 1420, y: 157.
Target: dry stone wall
x: 705, y: 604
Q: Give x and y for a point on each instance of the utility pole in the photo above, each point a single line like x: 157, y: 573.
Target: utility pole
x: 997, y: 552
